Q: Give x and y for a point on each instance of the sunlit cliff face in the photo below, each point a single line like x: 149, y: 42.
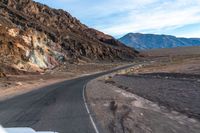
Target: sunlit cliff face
x: 35, y: 51
x: 35, y: 37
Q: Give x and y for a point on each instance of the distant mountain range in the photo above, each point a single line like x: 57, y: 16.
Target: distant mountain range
x: 152, y: 41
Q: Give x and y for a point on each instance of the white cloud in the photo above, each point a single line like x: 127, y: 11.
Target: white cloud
x: 157, y: 16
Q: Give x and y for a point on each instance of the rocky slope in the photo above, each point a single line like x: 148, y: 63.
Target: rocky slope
x: 151, y: 41
x: 34, y: 37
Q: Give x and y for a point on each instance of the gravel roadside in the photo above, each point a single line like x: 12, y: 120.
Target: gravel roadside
x: 120, y: 111
x: 180, y: 92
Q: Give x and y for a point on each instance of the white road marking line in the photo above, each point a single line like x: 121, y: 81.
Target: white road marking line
x: 88, y: 111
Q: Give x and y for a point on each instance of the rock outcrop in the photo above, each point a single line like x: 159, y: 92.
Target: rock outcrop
x: 2, y: 75
x: 34, y: 36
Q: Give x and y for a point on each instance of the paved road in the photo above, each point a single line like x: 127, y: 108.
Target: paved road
x: 59, y: 107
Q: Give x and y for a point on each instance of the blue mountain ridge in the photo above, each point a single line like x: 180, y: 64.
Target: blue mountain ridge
x: 152, y: 41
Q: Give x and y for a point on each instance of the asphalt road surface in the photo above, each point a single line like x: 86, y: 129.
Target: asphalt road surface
x: 59, y: 107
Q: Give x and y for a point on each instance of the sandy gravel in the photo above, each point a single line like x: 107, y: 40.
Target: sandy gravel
x: 159, y: 95
x: 180, y: 92
x: 119, y: 111
x: 176, y: 64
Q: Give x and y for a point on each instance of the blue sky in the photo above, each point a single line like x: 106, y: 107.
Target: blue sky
x: 118, y: 17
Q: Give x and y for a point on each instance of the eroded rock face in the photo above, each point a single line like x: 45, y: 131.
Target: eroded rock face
x: 34, y: 37
x: 28, y: 50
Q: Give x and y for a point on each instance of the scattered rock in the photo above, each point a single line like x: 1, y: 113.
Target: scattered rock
x: 113, y: 107
x: 109, y: 81
x: 2, y: 75
x: 19, y: 84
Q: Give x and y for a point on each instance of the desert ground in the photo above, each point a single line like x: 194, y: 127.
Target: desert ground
x: 158, y: 95
x: 16, y: 84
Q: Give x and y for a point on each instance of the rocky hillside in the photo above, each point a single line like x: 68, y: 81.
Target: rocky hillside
x: 34, y: 37
x: 151, y: 41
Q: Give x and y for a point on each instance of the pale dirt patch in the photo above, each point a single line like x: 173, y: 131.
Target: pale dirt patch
x: 188, y: 65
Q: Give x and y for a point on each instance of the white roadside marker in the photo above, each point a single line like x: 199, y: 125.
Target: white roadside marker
x: 88, y: 111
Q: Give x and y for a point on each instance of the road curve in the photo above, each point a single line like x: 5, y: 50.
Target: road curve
x: 59, y: 107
